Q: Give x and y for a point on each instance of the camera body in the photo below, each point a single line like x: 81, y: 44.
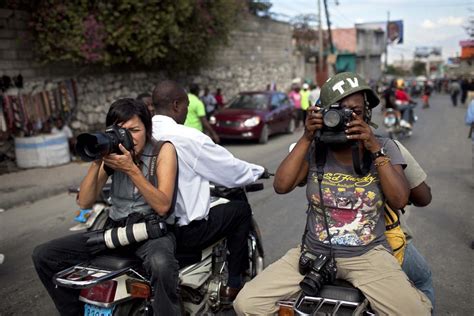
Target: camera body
x: 335, y: 119
x: 318, y: 269
x: 93, y: 146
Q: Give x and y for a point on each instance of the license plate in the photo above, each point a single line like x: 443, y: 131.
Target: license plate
x: 92, y: 310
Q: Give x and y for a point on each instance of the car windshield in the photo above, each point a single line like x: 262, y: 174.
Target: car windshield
x: 250, y: 101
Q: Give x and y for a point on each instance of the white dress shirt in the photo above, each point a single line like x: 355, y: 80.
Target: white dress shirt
x: 200, y: 161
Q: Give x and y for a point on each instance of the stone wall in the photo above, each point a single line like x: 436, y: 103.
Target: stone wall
x: 258, y: 53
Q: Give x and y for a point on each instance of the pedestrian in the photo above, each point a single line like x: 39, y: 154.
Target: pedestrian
x: 470, y: 122
x: 314, y: 94
x: 219, y: 98
x: 426, y: 95
x: 295, y: 97
x: 305, y: 100
x: 61, y: 127
x: 454, y: 90
x: 464, y: 90
x: 196, y: 117
x: 209, y: 101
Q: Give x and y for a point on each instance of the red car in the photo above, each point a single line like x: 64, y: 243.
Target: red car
x: 255, y: 115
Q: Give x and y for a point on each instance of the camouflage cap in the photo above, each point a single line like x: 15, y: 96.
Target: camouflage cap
x: 344, y: 84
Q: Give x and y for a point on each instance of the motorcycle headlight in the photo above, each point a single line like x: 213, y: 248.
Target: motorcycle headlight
x: 212, y: 120
x: 390, y: 120
x: 251, y: 122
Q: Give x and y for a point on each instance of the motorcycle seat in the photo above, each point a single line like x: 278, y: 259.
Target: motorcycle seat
x: 114, y: 262
x: 120, y: 261
x: 342, y: 290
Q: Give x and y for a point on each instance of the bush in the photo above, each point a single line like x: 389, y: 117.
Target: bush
x: 177, y: 34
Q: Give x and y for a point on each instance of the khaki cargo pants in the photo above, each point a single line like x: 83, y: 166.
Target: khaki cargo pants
x: 376, y: 273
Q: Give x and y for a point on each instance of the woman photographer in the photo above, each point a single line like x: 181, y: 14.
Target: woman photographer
x: 349, y: 224
x: 135, y: 189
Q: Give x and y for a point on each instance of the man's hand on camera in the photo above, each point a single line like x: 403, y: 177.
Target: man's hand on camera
x: 123, y: 163
x: 314, y: 122
x: 357, y: 129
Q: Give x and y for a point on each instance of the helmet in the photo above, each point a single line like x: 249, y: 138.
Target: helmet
x: 344, y: 84
x: 400, y: 84
x: 305, y: 86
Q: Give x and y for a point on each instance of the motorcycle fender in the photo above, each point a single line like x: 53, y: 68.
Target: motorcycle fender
x: 121, y: 293
x: 96, y: 210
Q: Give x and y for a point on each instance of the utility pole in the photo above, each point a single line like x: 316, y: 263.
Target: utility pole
x: 331, y: 71
x: 386, y: 42
x: 320, y: 38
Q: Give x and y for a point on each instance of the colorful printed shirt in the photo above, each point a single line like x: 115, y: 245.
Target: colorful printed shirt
x: 354, y: 205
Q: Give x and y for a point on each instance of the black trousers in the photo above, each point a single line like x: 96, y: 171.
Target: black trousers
x: 158, y: 257
x: 231, y: 220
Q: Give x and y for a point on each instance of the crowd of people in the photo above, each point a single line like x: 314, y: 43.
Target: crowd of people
x: 170, y: 126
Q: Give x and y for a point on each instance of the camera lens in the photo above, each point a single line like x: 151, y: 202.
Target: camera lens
x: 332, y: 118
x: 92, y: 146
x: 312, y: 283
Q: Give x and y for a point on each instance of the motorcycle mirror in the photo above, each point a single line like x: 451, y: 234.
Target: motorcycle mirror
x: 291, y: 147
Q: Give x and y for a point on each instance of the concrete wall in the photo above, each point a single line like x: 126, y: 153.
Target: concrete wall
x: 259, y: 52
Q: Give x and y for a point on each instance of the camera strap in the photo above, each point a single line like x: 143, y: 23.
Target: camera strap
x: 321, y: 152
x: 361, y: 168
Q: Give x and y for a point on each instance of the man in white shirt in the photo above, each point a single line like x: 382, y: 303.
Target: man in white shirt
x: 201, y: 161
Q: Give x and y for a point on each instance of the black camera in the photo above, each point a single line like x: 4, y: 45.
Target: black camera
x: 93, y: 146
x: 335, y: 119
x: 318, y: 270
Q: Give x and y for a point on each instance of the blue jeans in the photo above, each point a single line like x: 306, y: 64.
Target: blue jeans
x: 418, y: 271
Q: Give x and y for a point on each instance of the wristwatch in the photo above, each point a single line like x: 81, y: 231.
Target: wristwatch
x: 381, y: 153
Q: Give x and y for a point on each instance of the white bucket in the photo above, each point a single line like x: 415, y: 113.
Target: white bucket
x: 42, y: 151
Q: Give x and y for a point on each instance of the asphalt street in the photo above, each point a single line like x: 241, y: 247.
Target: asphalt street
x: 443, y: 230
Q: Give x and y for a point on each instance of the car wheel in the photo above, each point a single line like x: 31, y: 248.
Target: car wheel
x: 264, y: 135
x: 290, y: 129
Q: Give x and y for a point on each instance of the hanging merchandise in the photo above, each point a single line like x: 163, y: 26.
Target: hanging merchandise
x: 65, y: 97
x: 18, y: 115
x: 46, y: 105
x: 3, y: 122
x: 9, y: 116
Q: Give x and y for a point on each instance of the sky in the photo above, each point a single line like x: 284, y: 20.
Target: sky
x: 426, y: 22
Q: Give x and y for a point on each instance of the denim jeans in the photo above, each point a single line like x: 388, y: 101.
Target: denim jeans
x: 418, y: 271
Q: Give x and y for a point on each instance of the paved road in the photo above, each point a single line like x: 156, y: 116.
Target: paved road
x: 443, y: 231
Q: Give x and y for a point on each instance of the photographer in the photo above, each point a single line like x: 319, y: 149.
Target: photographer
x: 143, y: 186
x: 345, y: 222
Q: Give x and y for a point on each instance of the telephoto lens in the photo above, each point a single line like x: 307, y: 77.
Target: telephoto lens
x: 117, y: 237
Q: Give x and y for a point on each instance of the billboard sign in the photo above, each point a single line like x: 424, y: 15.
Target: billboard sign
x: 395, y: 32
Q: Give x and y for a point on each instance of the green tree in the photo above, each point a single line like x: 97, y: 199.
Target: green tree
x: 419, y: 68
x: 166, y: 33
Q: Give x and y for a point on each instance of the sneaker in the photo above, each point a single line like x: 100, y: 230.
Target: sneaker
x: 405, y: 124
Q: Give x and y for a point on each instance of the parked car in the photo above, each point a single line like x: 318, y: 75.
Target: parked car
x: 255, y: 115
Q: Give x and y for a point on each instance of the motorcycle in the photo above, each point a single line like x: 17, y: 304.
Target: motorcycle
x: 115, y: 285
x: 395, y: 125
